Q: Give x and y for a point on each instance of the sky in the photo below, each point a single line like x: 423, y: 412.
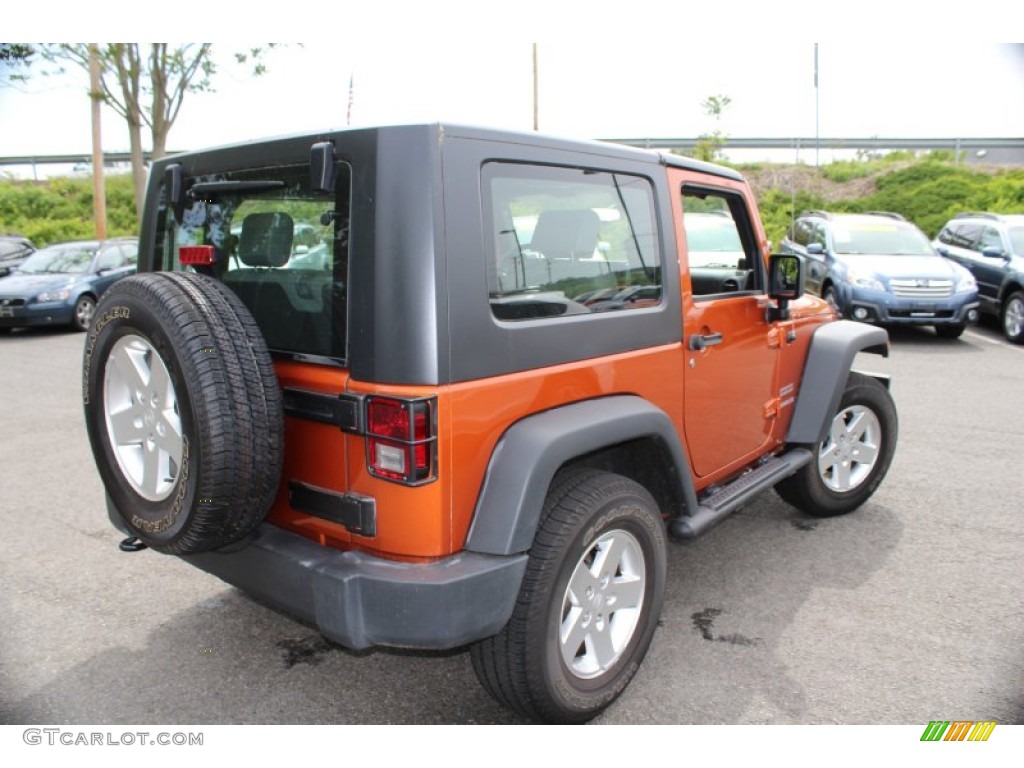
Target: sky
x: 626, y: 85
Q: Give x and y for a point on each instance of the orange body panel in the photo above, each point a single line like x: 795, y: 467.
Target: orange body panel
x: 738, y: 405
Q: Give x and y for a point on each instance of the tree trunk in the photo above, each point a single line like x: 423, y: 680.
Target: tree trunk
x: 138, y: 161
x: 99, y: 193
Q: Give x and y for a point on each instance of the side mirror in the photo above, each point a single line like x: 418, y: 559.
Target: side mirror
x: 991, y: 252
x: 785, y: 282
x: 815, y: 249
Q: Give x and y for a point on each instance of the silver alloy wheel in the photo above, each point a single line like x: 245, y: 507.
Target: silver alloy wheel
x: 84, y: 310
x: 1013, y: 317
x: 849, y: 453
x: 602, y: 604
x: 141, y: 413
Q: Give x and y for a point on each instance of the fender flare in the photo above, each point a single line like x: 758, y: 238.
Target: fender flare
x: 829, y: 360
x: 531, y: 451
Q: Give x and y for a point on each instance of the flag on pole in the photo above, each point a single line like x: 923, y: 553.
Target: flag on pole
x: 348, y: 119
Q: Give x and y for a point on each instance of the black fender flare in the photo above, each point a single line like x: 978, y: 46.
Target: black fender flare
x: 531, y: 451
x: 826, y: 370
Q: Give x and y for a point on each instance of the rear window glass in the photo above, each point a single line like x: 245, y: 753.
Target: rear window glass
x: 280, y: 246
x: 568, y: 241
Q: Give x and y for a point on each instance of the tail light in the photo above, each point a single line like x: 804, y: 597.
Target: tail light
x: 196, y: 255
x: 401, y: 440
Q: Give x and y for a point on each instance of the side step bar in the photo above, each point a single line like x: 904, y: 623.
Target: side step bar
x: 725, y: 500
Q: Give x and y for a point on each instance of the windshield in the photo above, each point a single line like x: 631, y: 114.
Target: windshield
x: 889, y: 238
x: 59, y: 259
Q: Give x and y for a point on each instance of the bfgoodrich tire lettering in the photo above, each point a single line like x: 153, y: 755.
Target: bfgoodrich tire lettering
x: 183, y: 411
x: 853, y: 458
x: 589, y: 602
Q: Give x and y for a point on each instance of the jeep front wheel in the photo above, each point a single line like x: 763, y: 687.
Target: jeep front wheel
x: 588, y: 606
x: 853, y: 458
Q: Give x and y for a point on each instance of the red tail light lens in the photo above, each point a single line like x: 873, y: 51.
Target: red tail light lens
x: 195, y: 255
x: 400, y: 442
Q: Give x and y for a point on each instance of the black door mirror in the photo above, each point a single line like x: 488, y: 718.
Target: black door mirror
x: 785, y: 281
x: 993, y: 252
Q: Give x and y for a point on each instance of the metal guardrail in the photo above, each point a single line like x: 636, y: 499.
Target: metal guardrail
x: 108, y: 157
x: 797, y: 142
x: 802, y: 142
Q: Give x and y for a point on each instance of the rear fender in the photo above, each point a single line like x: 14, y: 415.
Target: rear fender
x: 531, y: 452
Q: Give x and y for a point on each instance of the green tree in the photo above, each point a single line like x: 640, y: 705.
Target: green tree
x: 709, y: 145
x: 146, y: 85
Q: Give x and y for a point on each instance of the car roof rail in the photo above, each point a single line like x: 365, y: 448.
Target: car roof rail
x: 977, y: 215
x: 887, y: 214
x: 819, y: 214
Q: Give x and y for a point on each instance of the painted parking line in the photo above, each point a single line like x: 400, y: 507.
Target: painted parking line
x: 996, y: 342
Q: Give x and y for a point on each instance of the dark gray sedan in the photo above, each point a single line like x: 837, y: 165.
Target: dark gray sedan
x: 60, y: 284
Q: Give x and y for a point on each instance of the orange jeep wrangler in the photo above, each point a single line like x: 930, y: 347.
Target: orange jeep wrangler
x: 363, y: 377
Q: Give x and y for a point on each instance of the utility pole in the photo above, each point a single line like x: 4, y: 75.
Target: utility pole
x: 816, y: 126
x: 536, y: 123
x: 99, y: 194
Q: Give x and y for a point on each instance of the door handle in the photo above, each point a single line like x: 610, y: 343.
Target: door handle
x: 699, y: 343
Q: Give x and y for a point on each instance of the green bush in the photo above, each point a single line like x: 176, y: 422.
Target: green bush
x: 61, y: 208
x: 928, y: 192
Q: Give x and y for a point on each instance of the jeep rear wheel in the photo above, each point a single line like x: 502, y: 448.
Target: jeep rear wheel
x: 853, y: 458
x: 183, y: 411
x: 588, y: 606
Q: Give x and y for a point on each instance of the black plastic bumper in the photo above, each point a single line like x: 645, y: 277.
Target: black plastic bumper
x: 360, y: 601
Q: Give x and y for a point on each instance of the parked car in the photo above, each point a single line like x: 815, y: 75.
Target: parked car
x: 60, y: 284
x: 880, y: 268
x: 991, y: 246
x: 14, y: 249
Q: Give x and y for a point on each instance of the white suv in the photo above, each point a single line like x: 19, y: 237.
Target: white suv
x: 992, y: 247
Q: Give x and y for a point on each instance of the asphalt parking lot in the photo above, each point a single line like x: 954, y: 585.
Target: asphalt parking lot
x: 908, y: 610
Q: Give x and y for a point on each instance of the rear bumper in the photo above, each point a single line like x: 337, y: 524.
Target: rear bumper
x: 360, y: 601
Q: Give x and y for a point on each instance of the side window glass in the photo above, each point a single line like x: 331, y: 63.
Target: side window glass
x: 990, y: 239
x: 567, y: 242
x: 803, y: 233
x: 131, y: 254
x: 110, y: 258
x: 966, y: 236
x: 721, y: 247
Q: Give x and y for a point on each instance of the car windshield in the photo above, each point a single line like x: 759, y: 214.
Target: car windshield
x: 59, y: 259
x: 888, y: 238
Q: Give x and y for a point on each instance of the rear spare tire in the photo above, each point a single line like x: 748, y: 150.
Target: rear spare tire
x: 183, y: 410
